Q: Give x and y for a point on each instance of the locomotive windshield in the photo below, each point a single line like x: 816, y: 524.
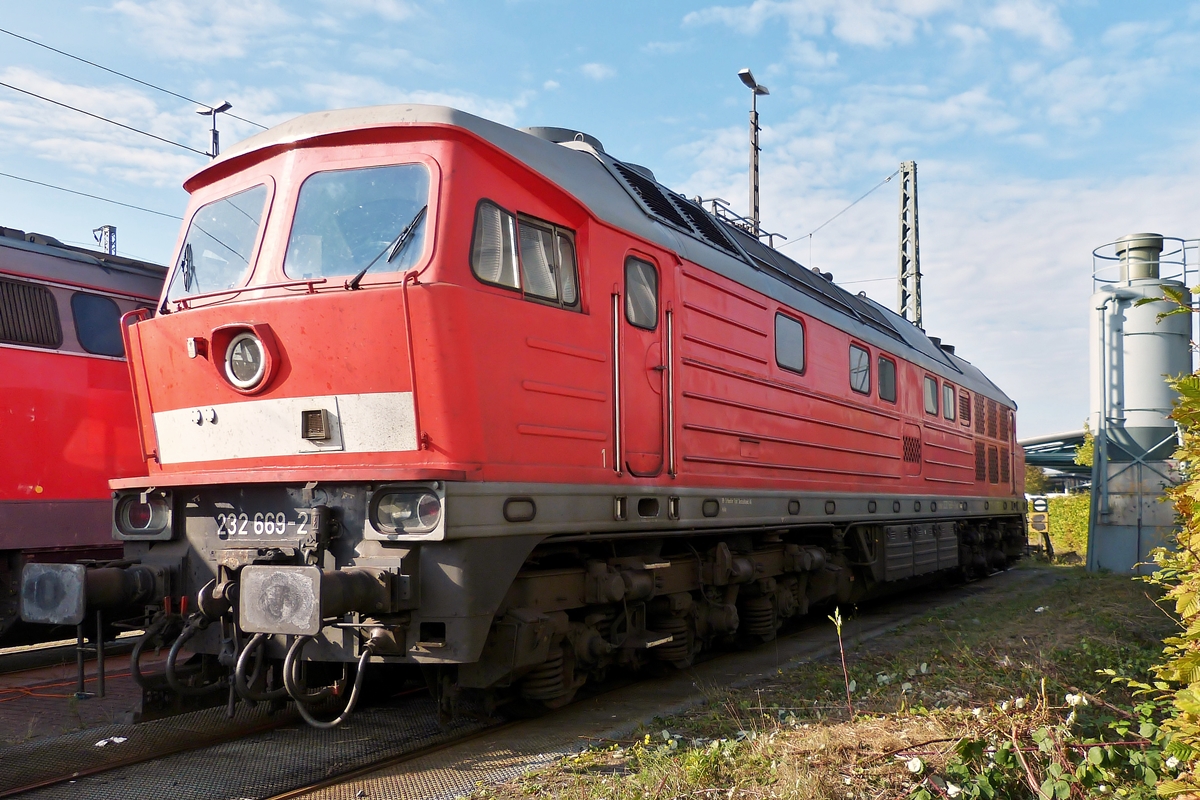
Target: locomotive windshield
x: 346, y: 218
x: 220, y: 239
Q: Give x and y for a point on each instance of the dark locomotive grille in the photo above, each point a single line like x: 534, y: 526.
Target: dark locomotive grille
x: 980, y: 461
x: 964, y: 408
x: 654, y: 199
x: 991, y: 420
x: 704, y: 225
x: 28, y: 315
x: 912, y: 449
x: 980, y: 421
x: 1004, y: 424
x: 1004, y: 459
x: 993, y: 465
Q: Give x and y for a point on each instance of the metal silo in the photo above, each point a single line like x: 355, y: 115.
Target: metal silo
x: 1132, y: 353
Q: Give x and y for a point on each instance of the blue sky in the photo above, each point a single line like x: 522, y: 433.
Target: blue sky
x: 1041, y: 129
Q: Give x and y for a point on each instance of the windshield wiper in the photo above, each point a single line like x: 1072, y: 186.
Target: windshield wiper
x: 394, y: 248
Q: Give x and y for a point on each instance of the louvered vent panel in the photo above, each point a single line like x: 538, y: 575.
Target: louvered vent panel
x: 991, y: 421
x: 964, y: 408
x: 912, y: 449
x: 993, y: 465
x: 1004, y: 471
x: 980, y: 461
x: 705, y: 225
x: 28, y: 315
x: 1003, y: 434
x: 650, y: 194
x: 980, y: 422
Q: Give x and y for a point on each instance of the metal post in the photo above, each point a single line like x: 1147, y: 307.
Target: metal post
x: 79, y: 660
x: 909, y: 287
x: 754, y: 150
x: 106, y: 237
x: 99, y: 653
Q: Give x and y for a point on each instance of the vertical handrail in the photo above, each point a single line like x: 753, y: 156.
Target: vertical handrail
x: 670, y: 365
x: 412, y: 365
x: 616, y: 342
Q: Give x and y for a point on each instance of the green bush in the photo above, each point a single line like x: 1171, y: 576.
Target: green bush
x: 1069, y: 523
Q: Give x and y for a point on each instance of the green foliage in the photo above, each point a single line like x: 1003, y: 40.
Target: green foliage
x: 1035, y: 480
x: 1085, y: 453
x: 1069, y: 523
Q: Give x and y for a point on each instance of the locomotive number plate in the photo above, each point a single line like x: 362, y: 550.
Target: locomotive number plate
x: 237, y: 524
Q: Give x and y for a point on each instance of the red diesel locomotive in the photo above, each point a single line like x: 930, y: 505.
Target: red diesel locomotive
x: 425, y: 389
x: 68, y: 413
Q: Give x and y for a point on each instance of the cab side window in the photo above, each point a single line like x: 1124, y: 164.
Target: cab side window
x: 789, y: 344
x: 534, y: 257
x: 641, y: 293
x: 931, y: 396
x: 860, y: 370
x: 948, y: 401
x: 887, y: 379
x: 97, y: 324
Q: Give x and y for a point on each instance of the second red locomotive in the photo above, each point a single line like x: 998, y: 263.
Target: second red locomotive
x: 425, y: 389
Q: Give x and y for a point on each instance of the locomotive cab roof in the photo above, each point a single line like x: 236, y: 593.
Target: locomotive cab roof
x: 626, y: 196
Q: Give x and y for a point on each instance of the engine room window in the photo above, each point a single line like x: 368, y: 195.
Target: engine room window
x: 534, y: 257
x: 352, y: 220
x: 948, y: 401
x: 641, y: 294
x: 887, y: 379
x: 931, y: 396
x: 97, y: 324
x: 789, y: 343
x: 219, y: 242
x: 860, y: 370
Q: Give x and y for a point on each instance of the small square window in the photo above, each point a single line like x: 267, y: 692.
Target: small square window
x: 887, y: 379
x: 860, y: 370
x: 789, y: 343
x: 931, y: 396
x: 641, y: 294
x: 948, y: 401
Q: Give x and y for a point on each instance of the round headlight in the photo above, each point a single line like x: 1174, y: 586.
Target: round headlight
x: 407, y: 512
x: 138, y: 517
x: 245, y: 361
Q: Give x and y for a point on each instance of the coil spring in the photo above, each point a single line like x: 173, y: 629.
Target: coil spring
x: 758, y: 616
x: 545, y: 681
x: 679, y: 648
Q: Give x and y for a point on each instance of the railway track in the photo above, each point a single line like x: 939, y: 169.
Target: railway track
x: 203, y: 755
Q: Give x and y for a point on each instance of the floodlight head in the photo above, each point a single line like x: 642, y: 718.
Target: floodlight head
x: 760, y: 90
x: 748, y: 78
x: 225, y: 107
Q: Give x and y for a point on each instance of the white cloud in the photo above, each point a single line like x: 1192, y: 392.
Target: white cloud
x: 873, y: 23
x: 1080, y: 92
x: 341, y: 90
x: 598, y: 72
x: 391, y: 10
x: 550, y: 86
x: 969, y: 35
x: 663, y: 48
x: 205, y: 31
x: 1030, y: 19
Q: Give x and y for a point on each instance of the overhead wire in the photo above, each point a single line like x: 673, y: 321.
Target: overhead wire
x: 104, y: 119
x: 92, y: 196
x: 126, y: 76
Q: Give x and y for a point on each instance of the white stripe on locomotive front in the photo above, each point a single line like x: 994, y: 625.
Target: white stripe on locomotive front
x: 380, y: 422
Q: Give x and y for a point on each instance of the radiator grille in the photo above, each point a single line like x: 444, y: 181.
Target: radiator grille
x: 704, y: 225
x: 964, y: 408
x: 980, y: 461
x: 1004, y: 424
x: 979, y: 415
x: 28, y: 315
x: 991, y: 420
x: 912, y: 449
x: 1004, y: 460
x: 654, y: 199
x: 993, y: 465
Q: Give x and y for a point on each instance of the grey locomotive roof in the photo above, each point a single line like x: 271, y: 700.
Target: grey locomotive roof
x: 47, y: 258
x: 597, y: 181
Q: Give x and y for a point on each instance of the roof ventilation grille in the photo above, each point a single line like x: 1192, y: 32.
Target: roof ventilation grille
x: 704, y: 225
x: 654, y: 199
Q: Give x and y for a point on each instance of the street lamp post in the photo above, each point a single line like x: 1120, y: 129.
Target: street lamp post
x: 756, y: 89
x: 212, y: 112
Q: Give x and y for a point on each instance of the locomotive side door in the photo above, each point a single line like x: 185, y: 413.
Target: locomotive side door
x: 638, y: 328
